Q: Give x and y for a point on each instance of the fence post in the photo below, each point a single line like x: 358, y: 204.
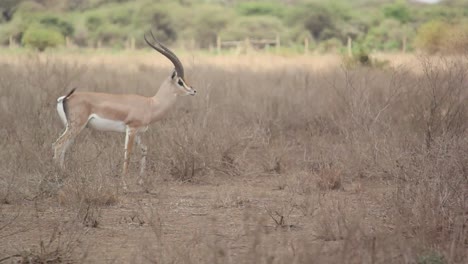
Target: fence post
x: 218, y: 44
x: 278, y: 43
x: 350, y: 50
x: 11, y: 42
x: 67, y: 42
x: 306, y: 45
x: 403, y: 48
x: 247, y: 45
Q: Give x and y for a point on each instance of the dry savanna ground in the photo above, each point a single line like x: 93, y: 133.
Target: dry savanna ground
x: 276, y: 160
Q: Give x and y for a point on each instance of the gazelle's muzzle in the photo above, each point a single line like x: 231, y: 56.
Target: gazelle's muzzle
x: 192, y: 91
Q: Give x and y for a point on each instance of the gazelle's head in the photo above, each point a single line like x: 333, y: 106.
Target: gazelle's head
x: 182, y: 88
x: 177, y: 78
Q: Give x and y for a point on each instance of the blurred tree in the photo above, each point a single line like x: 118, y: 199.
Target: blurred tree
x: 373, y: 24
x: 253, y: 27
x: 77, y: 4
x: 398, y: 10
x: 7, y: 8
x: 93, y: 22
x: 209, y: 22
x: 121, y: 15
x: 388, y: 36
x: 26, y: 7
x: 52, y: 21
x: 41, y: 37
x: 261, y: 8
x: 111, y: 35
x: 319, y: 19
x: 24, y: 15
x: 432, y: 35
x: 320, y: 25
x: 440, y: 12
x: 158, y: 19
x: 457, y: 41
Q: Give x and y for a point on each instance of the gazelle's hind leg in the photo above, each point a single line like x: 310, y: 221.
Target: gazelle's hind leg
x: 144, y: 151
x: 64, y: 142
x: 57, y: 143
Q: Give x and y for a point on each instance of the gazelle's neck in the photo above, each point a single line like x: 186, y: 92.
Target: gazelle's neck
x: 163, y: 100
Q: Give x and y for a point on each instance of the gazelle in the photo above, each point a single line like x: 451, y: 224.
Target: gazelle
x: 129, y: 113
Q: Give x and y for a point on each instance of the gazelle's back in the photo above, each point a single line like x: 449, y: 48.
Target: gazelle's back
x: 129, y: 109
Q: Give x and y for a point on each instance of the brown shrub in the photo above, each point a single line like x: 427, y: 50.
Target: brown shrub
x: 329, y: 179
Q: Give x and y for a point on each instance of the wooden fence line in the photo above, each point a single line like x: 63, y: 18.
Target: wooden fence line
x: 246, y: 44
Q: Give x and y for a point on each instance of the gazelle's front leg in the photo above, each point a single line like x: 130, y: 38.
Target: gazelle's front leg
x: 129, y: 139
x: 144, y: 151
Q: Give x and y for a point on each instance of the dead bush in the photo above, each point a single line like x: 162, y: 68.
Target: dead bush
x: 59, y: 244
x: 430, y: 201
x: 440, y: 99
x: 329, y: 179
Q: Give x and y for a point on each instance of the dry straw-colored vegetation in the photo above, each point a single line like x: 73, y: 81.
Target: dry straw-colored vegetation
x: 265, y: 165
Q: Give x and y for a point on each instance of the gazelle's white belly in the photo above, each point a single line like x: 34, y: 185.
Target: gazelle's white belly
x: 99, y: 123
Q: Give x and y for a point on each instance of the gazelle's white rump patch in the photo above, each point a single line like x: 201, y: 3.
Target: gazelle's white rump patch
x: 61, y: 110
x: 60, y: 99
x: 103, y: 124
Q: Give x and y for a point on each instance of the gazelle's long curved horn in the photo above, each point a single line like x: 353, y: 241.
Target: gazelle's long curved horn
x: 168, y: 53
x: 180, y: 72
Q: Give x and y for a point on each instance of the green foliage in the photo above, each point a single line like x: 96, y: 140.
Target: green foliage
x: 315, y: 18
x: 158, y: 19
x: 388, y: 35
x: 121, y: 16
x: 93, y: 22
x: 440, y: 12
x: 5, y: 33
x: 53, y: 21
x: 398, y: 11
x: 431, y: 258
x: 209, y: 22
x: 379, y: 26
x: 320, y: 25
x: 261, y: 8
x: 253, y: 27
x: 41, y: 37
x: 111, y: 35
x: 24, y: 16
x: 330, y: 20
x: 7, y: 8
x: 26, y: 7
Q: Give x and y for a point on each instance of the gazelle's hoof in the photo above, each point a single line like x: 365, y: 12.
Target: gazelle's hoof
x: 140, y: 181
x: 124, y: 187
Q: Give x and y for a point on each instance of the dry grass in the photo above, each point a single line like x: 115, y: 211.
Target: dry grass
x: 285, y: 162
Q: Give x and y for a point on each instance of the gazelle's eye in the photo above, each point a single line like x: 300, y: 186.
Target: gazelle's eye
x: 180, y: 83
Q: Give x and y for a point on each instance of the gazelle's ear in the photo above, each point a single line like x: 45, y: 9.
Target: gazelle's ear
x: 174, y: 74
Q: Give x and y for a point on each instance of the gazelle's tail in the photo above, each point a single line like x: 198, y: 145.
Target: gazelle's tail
x: 62, y: 106
x: 70, y: 93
